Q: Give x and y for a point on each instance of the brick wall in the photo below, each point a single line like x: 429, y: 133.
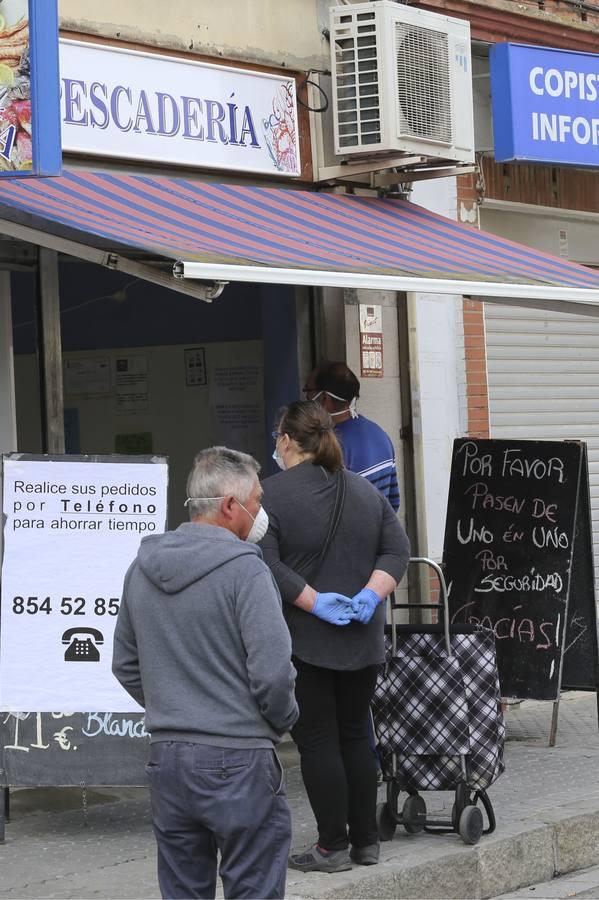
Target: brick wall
x: 476, y: 369
x: 549, y: 23
x: 541, y: 185
x: 474, y: 326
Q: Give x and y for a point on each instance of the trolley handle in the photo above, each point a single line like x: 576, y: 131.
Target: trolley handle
x: 442, y: 605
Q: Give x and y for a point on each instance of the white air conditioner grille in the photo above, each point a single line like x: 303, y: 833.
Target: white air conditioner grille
x: 357, y: 80
x: 401, y: 82
x: 423, y: 83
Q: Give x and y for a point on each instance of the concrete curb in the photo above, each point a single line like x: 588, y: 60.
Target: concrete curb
x: 497, y: 865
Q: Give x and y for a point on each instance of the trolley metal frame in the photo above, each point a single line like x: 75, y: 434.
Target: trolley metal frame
x: 466, y: 816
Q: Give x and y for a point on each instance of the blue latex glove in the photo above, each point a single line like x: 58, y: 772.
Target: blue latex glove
x: 337, y: 609
x: 366, y: 601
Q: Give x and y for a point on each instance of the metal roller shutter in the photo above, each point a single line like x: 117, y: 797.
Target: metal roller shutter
x: 544, y: 366
x: 543, y: 370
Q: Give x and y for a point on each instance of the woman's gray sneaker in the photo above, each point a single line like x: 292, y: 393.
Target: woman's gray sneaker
x: 316, y: 860
x: 366, y: 856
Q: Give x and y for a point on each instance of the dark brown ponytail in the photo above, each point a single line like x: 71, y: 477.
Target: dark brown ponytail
x: 311, y: 427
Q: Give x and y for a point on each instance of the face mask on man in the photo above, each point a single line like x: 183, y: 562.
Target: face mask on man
x: 259, y: 521
x: 259, y: 526
x: 351, y: 405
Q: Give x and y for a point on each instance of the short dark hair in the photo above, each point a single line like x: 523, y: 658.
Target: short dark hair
x: 337, y: 378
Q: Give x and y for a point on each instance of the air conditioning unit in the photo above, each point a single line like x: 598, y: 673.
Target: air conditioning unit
x: 402, y: 82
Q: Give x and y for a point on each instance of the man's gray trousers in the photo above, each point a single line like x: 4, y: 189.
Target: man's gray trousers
x: 207, y: 799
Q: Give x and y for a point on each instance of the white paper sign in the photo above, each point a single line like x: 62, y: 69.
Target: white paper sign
x: 371, y: 318
x: 87, y: 375
x: 131, y: 383
x: 237, y: 406
x: 133, y: 105
x: 71, y: 530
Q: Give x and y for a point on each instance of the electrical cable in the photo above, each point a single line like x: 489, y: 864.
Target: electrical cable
x: 112, y: 296
x: 307, y: 80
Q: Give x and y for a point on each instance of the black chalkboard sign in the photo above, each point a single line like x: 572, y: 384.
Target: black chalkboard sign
x: 518, y: 559
x: 61, y: 749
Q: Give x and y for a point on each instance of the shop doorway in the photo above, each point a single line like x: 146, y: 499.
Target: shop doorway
x: 148, y: 370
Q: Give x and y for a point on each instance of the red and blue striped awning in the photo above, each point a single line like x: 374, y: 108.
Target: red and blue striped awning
x: 225, y: 226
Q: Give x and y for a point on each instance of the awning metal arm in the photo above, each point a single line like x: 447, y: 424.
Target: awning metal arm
x: 407, y: 168
x: 421, y: 175
x: 110, y: 260
x: 366, y: 167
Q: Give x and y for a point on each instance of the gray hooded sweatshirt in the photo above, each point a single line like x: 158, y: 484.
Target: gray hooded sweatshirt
x: 201, y: 642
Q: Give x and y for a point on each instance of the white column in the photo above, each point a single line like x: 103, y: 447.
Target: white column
x: 8, y: 414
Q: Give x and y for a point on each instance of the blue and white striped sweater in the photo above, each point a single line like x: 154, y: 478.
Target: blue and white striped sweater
x: 368, y: 451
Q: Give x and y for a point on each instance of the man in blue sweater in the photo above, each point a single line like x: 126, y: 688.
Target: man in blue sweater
x: 367, y: 449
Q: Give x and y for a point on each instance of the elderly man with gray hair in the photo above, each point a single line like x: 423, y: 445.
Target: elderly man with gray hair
x: 201, y: 644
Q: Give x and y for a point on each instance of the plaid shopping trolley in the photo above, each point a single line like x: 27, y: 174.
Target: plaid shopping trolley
x: 438, y: 723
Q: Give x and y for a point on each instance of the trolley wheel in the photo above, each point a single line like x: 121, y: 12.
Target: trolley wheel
x: 413, y: 814
x: 471, y: 825
x: 385, y: 822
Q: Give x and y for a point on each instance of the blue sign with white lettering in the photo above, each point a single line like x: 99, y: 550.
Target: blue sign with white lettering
x: 29, y: 89
x: 545, y: 105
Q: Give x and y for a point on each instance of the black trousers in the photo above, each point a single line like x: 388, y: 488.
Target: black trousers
x: 338, y: 766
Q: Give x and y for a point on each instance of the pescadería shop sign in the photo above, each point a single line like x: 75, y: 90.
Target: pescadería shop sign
x: 133, y: 105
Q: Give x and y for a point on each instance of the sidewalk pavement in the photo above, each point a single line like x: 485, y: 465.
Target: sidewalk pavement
x: 546, y: 804
x: 582, y: 883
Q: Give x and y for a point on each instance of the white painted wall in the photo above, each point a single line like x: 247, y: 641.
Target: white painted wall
x: 442, y: 376
x: 566, y: 233
x: 270, y: 32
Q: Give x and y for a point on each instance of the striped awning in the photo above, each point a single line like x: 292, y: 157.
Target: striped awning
x: 258, y: 233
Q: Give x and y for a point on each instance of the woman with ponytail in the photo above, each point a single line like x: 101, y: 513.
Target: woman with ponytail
x: 336, y: 550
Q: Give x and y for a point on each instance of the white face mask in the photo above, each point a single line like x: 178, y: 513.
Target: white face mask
x: 259, y: 527
x: 278, y: 459
x: 351, y: 407
x: 259, y: 522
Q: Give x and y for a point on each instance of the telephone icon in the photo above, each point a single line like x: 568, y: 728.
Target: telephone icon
x: 80, y: 648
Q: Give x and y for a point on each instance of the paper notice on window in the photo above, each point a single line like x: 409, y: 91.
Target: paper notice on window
x: 87, y: 375
x: 131, y: 383
x: 237, y: 406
